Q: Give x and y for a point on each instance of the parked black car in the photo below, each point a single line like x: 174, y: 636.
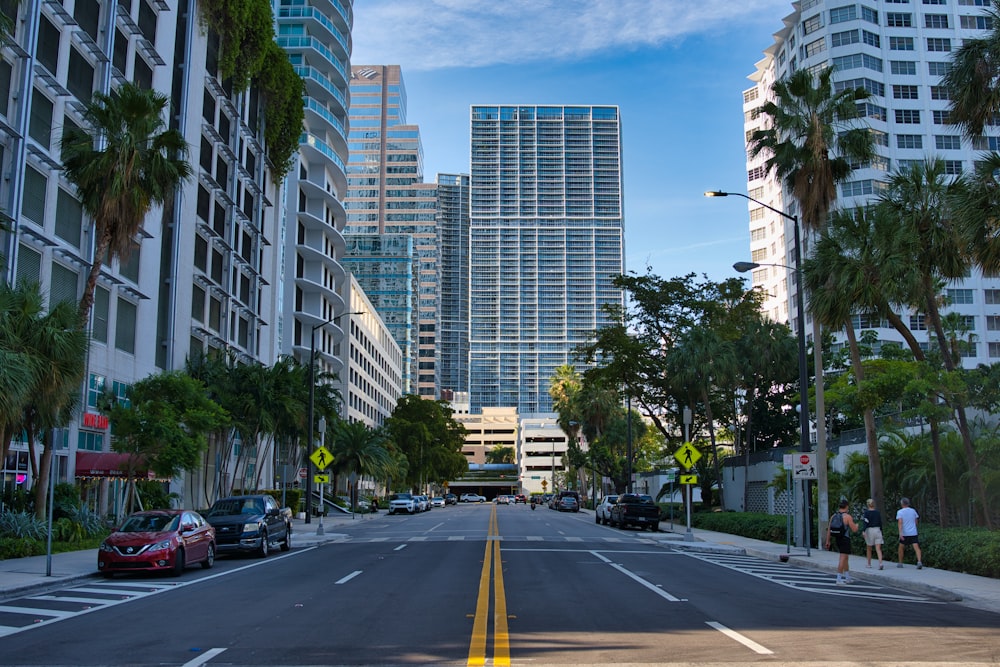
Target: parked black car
x: 450, y: 499
x: 251, y: 523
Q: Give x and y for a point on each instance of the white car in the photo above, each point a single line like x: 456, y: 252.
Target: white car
x: 423, y: 504
x: 603, y: 512
x: 472, y: 498
x: 403, y: 502
x: 437, y: 502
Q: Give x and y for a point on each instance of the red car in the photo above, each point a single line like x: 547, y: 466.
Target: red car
x: 158, y: 540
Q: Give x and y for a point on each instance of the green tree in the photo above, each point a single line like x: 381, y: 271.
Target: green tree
x: 50, y: 349
x: 165, y: 422
x: 430, y: 438
x: 360, y: 450
x: 123, y: 162
x: 501, y: 454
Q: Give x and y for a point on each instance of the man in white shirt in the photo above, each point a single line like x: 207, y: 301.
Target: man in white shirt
x: 906, y: 521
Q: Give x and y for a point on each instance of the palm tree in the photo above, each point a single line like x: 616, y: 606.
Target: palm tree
x: 360, y: 450
x: 812, y: 142
x: 123, y: 165
x: 973, y: 76
x: 921, y: 198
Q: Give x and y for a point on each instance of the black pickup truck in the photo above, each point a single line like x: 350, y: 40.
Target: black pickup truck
x: 635, y: 509
x: 250, y: 523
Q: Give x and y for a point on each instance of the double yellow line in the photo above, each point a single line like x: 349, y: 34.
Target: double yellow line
x: 501, y: 640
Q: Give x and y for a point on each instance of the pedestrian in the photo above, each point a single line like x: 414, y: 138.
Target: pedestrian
x: 906, y: 520
x: 374, y: 505
x: 872, y: 520
x: 840, y: 528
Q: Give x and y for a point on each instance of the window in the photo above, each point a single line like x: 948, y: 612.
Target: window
x: 142, y: 75
x: 47, y: 50
x: 871, y: 38
x: 898, y: 20
x: 953, y: 167
x: 147, y: 21
x: 759, y: 255
x: 993, y: 322
x: 940, y: 93
x: 80, y: 77
x: 905, y: 92
x: 941, y: 116
x: 756, y: 173
x: 937, y: 69
x: 69, y: 218
x: 908, y: 116
x: 976, y: 22
x: 869, y: 110
x: 903, y: 67
x: 125, y: 326
x: 749, y: 95
x: 5, y: 73
x: 900, y: 43
x: 33, y: 206
x: 119, y: 56
x: 844, y: 38
x: 857, y: 188
x: 880, y: 138
x: 841, y: 14
x: 102, y: 302
x: 872, y: 86
x: 129, y: 267
x: 940, y: 44
x: 869, y: 14
x: 909, y: 141
x: 947, y: 142
x: 40, y: 124
x: 936, y: 21
x: 63, y: 285
x: 812, y: 48
x: 992, y: 297
x: 918, y: 323
x: 811, y: 24
x: 758, y: 234
x: 994, y: 350
x: 960, y: 296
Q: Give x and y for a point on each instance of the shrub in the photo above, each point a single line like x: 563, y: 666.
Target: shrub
x: 768, y: 527
x: 22, y: 525
x: 16, y: 547
x: 67, y: 499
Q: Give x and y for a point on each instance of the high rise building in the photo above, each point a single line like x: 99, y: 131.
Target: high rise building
x: 386, y: 196
x: 898, y: 52
x: 453, y: 332
x: 546, y: 239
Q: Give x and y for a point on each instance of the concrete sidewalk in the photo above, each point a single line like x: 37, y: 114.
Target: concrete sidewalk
x: 22, y: 575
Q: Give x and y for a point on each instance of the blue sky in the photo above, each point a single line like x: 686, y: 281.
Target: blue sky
x: 676, y: 68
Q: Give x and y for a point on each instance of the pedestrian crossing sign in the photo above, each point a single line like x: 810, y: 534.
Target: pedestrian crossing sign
x: 689, y: 479
x: 686, y: 456
x: 321, y: 458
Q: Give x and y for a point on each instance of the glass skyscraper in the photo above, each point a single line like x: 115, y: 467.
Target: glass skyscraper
x: 453, y: 331
x: 546, y: 239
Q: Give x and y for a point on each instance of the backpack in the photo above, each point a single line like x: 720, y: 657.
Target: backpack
x: 837, y: 526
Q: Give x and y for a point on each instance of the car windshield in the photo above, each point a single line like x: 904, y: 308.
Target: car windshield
x: 150, y: 523
x: 230, y: 506
x: 400, y: 496
x: 610, y: 499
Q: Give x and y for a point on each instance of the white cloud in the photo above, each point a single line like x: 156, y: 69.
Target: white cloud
x: 437, y: 34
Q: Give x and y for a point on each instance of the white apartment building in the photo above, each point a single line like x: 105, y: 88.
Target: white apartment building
x: 898, y: 50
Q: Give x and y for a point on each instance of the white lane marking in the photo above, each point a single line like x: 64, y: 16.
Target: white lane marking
x: 535, y: 538
x: 344, y: 580
x: 34, y: 611
x: 432, y: 528
x: 400, y: 547
x: 204, y: 657
x: 732, y: 634
x: 456, y: 538
x: 637, y: 578
x: 379, y: 539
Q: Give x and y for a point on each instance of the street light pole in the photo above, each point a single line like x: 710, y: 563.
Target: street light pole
x: 800, y: 329
x: 310, y: 416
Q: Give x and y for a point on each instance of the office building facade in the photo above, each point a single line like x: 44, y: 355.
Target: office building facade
x: 453, y: 332
x: 546, y: 239
x: 898, y: 52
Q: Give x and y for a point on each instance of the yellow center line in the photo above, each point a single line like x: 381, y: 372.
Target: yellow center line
x: 501, y: 645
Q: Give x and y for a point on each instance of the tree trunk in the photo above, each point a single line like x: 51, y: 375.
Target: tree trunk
x: 100, y: 250
x: 871, y: 437
x: 938, y: 474
x: 42, y: 481
x: 715, y: 453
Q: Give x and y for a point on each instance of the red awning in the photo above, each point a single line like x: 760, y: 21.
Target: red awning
x: 110, y: 464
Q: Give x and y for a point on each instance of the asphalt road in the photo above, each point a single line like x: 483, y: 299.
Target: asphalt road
x: 426, y: 590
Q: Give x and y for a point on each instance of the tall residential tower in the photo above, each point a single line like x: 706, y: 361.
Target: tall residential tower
x: 546, y: 239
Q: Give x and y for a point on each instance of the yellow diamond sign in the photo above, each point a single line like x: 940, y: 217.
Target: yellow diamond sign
x: 687, y: 455
x: 321, y: 458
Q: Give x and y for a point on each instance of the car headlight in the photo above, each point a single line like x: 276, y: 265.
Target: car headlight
x: 250, y: 527
x: 165, y: 544
x: 105, y: 547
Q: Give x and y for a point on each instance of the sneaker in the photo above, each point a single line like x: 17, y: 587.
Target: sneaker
x: 880, y: 566
x: 869, y: 566
x: 899, y: 565
x: 920, y: 565
x: 848, y: 580
x: 841, y: 582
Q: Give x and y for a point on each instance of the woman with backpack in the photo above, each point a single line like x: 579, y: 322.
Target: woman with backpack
x: 840, y: 529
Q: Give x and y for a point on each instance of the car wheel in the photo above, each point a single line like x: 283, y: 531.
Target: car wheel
x: 597, y: 519
x: 265, y: 547
x: 179, y: 563
x: 286, y: 544
x: 209, y: 558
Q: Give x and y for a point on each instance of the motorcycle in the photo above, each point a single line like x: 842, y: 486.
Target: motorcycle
x: 533, y: 504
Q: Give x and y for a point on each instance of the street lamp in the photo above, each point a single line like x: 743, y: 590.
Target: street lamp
x: 800, y: 329
x: 310, y: 415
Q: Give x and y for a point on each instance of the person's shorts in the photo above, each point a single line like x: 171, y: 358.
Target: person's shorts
x: 843, y: 544
x: 873, y: 536
x: 909, y: 539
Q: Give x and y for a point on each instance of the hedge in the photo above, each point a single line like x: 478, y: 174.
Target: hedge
x: 969, y: 550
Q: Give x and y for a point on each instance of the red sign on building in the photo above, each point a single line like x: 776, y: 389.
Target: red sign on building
x: 94, y: 420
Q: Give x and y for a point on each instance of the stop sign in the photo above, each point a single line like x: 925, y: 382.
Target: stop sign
x: 804, y: 459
